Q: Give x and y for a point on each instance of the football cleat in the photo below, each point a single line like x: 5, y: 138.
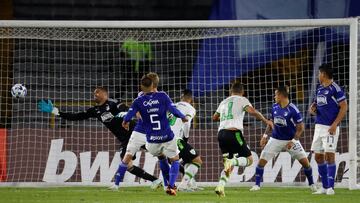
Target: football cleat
x: 114, y: 188
x: 330, y: 191
x: 171, y: 191
x: 156, y: 184
x: 320, y: 191
x: 313, y: 188
x: 255, y: 188
x: 220, y: 191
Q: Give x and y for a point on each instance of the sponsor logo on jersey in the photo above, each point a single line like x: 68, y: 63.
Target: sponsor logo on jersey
x: 151, y: 102
x: 280, y: 121
x: 321, y: 100
x: 106, y: 117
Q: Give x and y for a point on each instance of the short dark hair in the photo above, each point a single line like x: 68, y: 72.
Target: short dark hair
x: 327, y: 69
x: 146, y: 81
x: 237, y: 87
x: 101, y: 89
x: 186, y: 93
x: 283, y: 90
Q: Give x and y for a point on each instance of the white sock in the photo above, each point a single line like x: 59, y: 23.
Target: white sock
x: 241, y: 161
x: 223, y: 179
x: 190, y: 172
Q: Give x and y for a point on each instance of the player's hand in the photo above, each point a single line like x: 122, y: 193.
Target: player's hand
x: 332, y: 129
x: 289, y: 145
x: 47, y: 107
x: 312, y: 110
x: 185, y: 119
x: 270, y: 124
x: 125, y: 125
x: 263, y: 142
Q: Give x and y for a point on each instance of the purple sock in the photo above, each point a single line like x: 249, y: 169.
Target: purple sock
x: 258, y: 175
x: 323, y: 171
x: 309, y: 176
x: 174, y: 170
x: 164, y: 167
x: 331, y: 174
x: 120, y: 173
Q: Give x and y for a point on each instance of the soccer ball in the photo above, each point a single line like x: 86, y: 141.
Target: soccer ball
x: 18, y: 91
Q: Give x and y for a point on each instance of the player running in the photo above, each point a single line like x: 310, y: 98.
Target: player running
x: 234, y: 149
x: 330, y: 108
x: 109, y: 112
x: 288, y: 128
x: 190, y: 157
x: 153, y: 107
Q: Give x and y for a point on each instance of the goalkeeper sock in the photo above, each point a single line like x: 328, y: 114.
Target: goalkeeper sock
x: 241, y: 161
x: 331, y: 174
x: 308, y: 174
x: 259, y: 172
x: 174, y: 170
x: 323, y: 171
x: 223, y: 178
x: 164, y: 167
x: 120, y: 173
x: 191, y: 171
x: 139, y: 172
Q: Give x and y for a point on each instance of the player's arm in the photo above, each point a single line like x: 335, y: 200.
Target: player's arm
x: 342, y: 112
x: 265, y: 137
x: 172, y: 108
x: 216, y: 116
x: 253, y: 112
x: 187, y: 126
x: 130, y: 114
x: 48, y: 107
x: 312, y: 109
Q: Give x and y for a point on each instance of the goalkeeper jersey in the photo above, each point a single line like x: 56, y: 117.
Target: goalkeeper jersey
x: 106, y: 114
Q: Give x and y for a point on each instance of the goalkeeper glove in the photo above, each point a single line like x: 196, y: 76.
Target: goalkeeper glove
x: 47, y: 107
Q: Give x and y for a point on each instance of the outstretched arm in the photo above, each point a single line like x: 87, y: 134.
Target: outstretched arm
x: 253, y: 112
x: 48, y: 107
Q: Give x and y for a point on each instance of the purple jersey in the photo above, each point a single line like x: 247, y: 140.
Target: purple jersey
x: 139, y: 127
x: 153, y: 109
x: 327, y: 103
x: 285, y: 120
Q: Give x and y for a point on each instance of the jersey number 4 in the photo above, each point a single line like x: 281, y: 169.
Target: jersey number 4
x: 155, y: 122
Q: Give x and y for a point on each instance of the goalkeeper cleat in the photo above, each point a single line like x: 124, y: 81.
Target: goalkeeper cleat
x: 330, y: 191
x: 313, y: 188
x: 227, y: 167
x: 320, y: 191
x: 114, y: 188
x: 171, y: 191
x: 220, y: 191
x: 156, y: 184
x: 255, y: 188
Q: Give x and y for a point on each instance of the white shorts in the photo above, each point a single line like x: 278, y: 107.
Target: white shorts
x: 323, y: 141
x: 169, y: 149
x: 136, y: 141
x: 274, y: 146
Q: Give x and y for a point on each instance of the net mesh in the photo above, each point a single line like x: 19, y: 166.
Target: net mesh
x: 66, y: 64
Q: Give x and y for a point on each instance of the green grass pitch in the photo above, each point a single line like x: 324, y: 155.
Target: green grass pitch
x: 144, y: 194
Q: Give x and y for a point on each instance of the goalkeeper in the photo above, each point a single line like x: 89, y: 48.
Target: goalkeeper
x: 110, y: 113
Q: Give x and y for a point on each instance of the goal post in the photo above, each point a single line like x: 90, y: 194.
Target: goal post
x: 65, y: 60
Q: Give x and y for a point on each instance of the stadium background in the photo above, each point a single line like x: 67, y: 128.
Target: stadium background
x: 186, y: 65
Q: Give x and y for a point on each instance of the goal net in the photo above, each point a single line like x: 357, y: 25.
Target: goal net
x: 65, y: 61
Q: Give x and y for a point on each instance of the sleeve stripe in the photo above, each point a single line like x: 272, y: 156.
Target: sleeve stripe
x: 294, y: 107
x: 337, y: 87
x: 341, y: 98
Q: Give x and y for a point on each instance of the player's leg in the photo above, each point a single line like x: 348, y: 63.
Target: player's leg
x: 164, y: 168
x: 192, y: 163
x: 318, y: 148
x: 297, y: 152
x: 171, y: 151
x: 330, y: 144
x: 225, y: 144
x: 272, y: 147
x: 244, y: 157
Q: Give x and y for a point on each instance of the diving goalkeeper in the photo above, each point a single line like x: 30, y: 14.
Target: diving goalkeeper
x: 109, y: 112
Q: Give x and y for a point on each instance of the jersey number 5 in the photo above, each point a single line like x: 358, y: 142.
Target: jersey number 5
x: 154, y: 121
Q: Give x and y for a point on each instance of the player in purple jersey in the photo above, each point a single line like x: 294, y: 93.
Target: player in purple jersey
x: 153, y: 107
x: 288, y: 128
x: 330, y: 108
